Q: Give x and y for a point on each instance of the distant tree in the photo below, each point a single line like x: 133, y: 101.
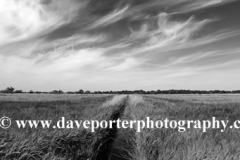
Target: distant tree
x: 57, y: 92
x: 31, y: 91
x: 18, y: 91
x: 81, y: 91
x: 70, y: 92
x: 87, y: 92
x: 60, y: 92
x: 8, y: 90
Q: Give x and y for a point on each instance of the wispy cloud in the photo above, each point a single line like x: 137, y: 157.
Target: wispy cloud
x: 166, y: 34
x: 193, y: 57
x: 25, y: 19
x: 110, y: 18
x: 200, y: 4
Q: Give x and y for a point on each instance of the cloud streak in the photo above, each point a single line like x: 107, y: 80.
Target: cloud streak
x: 110, y: 18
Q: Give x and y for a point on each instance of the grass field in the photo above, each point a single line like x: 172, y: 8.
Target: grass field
x: 56, y: 144
x: 162, y: 144
x: 204, y: 98
x: 149, y: 144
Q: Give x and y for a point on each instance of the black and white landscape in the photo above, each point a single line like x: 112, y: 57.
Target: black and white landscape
x: 71, y: 70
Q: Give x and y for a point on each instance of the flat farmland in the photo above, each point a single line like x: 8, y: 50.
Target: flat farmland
x: 50, y: 143
x: 136, y: 142
x: 193, y: 143
x: 203, y: 98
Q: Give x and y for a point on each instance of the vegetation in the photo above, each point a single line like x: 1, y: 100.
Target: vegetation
x: 8, y: 90
x: 149, y: 144
x: 162, y: 144
x: 57, y: 144
x: 171, y: 91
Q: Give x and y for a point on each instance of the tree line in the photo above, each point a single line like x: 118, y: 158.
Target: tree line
x: 81, y: 91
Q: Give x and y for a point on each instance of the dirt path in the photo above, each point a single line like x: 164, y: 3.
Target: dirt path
x: 109, y: 149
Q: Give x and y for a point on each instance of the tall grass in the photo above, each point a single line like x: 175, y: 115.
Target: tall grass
x: 169, y: 144
x: 56, y: 144
x: 149, y: 144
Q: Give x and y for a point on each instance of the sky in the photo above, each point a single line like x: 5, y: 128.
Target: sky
x: 101, y: 45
